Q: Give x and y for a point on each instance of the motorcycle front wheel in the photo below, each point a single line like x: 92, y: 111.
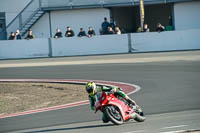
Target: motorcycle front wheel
x: 113, y: 114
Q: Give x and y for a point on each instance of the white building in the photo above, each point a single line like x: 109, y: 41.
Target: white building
x: 44, y: 16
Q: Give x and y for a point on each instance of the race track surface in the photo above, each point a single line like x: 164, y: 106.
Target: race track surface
x: 169, y: 95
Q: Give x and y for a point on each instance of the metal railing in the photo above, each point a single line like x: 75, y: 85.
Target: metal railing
x: 98, y: 3
x: 35, y: 5
x: 21, y: 19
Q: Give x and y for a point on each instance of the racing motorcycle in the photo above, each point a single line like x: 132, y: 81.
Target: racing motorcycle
x: 117, y: 109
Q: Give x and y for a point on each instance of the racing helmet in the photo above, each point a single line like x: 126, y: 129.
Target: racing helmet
x: 90, y: 88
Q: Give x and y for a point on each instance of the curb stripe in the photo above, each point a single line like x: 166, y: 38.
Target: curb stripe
x: 127, y: 88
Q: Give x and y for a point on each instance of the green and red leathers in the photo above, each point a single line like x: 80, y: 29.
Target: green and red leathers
x: 92, y: 98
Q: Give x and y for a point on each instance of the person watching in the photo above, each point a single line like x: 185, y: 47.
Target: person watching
x: 160, y: 28
x: 105, y: 26
x: 110, y: 31
x: 81, y: 33
x: 30, y: 35
x: 117, y: 30
x: 69, y: 32
x: 17, y: 34
x: 112, y: 23
x: 12, y: 36
x: 91, y: 32
x: 146, y: 29
x: 58, y: 34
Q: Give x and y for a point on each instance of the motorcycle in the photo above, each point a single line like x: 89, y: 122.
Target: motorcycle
x: 117, y: 109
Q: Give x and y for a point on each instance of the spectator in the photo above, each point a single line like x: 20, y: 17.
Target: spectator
x: 58, y: 34
x: 160, y: 28
x: 117, y: 30
x: 139, y: 29
x: 69, y: 32
x: 91, y: 32
x: 146, y: 29
x: 110, y: 31
x: 30, y: 35
x: 17, y: 34
x: 12, y: 36
x: 112, y: 23
x: 81, y: 33
x: 105, y: 26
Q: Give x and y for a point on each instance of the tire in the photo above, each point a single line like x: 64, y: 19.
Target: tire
x: 139, y: 114
x: 113, y: 114
x: 139, y: 118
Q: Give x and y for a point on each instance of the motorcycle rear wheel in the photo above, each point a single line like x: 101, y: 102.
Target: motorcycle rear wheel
x: 113, y: 114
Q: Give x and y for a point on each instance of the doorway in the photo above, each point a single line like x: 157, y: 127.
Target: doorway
x: 3, y: 35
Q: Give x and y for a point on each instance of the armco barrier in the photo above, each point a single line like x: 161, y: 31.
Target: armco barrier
x: 107, y: 44
x: 24, y: 48
x: 166, y: 41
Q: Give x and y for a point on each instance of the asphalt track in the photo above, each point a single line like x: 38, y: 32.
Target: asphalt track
x: 170, y: 94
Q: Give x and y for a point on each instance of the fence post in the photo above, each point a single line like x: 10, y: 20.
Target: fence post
x: 50, y: 47
x: 129, y: 43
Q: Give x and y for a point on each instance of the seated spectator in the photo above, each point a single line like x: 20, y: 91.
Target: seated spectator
x: 139, y: 29
x: 17, y: 34
x: 30, y: 35
x: 146, y: 29
x: 58, y: 34
x: 110, y: 31
x: 69, y: 32
x: 12, y: 36
x: 160, y: 28
x: 112, y: 23
x: 91, y: 32
x: 81, y: 33
x: 117, y: 30
x: 105, y: 26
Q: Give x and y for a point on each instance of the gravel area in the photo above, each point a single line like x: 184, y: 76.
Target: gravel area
x: 20, y: 97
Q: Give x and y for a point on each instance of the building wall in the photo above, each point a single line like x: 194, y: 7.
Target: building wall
x: 187, y: 15
x: 78, y: 18
x: 41, y: 28
x: 12, y: 8
x: 73, y: 18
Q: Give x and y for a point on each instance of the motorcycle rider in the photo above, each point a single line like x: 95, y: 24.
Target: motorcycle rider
x: 93, y: 91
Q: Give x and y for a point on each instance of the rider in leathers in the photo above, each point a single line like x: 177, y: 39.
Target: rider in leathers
x: 93, y: 90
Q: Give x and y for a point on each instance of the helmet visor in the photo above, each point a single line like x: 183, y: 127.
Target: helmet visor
x: 89, y: 89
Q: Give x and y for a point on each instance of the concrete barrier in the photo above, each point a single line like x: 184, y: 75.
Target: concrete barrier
x: 107, y: 44
x: 16, y: 49
x: 166, y: 41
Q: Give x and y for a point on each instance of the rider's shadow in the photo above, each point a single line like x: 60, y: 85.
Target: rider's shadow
x: 73, y: 128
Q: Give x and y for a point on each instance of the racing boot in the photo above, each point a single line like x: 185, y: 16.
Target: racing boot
x: 133, y: 115
x: 137, y: 117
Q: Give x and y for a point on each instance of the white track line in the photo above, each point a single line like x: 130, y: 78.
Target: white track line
x: 137, y: 131
x: 174, y: 126
x: 178, y: 131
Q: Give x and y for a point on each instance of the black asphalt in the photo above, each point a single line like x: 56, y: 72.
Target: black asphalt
x: 166, y: 87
